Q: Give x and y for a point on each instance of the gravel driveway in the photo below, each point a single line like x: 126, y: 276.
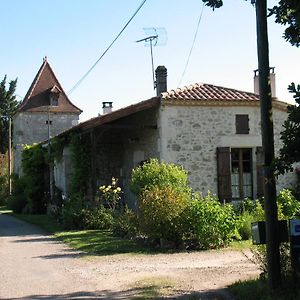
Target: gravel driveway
x: 34, y: 265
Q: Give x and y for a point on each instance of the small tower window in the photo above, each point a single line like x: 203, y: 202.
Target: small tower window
x: 53, y: 100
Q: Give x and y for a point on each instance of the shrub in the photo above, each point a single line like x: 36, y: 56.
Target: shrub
x: 209, y: 223
x: 125, y: 223
x: 288, y: 204
x: 71, y: 213
x: 17, y: 201
x: 160, y: 211
x: 98, y: 218
x: 156, y: 174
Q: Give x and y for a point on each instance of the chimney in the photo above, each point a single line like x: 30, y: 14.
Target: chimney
x: 272, y: 81
x: 161, y: 80
x: 107, y: 107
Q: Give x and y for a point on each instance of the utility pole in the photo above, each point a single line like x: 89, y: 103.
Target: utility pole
x: 273, y: 254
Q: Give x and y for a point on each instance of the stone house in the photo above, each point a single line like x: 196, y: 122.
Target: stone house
x: 44, y: 112
x: 213, y: 132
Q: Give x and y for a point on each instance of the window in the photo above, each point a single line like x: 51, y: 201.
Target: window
x: 54, y: 100
x: 242, y: 124
x: 241, y: 173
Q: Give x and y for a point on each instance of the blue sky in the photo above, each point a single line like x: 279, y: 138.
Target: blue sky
x: 74, y: 33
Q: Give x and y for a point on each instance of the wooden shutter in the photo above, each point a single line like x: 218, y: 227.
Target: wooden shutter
x: 224, y: 173
x: 242, y: 124
x: 259, y: 172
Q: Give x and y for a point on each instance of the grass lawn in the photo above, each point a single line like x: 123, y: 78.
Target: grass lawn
x: 97, y: 242
x: 258, y: 289
x: 93, y: 242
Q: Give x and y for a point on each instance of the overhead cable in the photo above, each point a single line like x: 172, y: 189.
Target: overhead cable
x: 192, y: 47
x: 94, y: 65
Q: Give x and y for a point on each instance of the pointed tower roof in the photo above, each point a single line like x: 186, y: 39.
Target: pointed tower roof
x: 46, y: 91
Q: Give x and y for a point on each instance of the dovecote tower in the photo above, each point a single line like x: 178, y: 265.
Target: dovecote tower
x: 45, y: 111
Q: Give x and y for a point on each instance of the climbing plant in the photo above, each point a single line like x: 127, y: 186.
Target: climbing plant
x: 34, y: 166
x: 80, y: 147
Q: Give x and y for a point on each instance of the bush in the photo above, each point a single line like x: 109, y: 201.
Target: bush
x: 17, y: 201
x: 288, y: 205
x: 209, y: 223
x: 71, y: 216
x: 98, y: 218
x: 160, y: 212
x: 125, y: 224
x: 156, y: 174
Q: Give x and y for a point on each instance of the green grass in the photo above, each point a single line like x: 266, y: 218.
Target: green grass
x: 92, y: 242
x: 258, y: 289
x: 97, y: 242
x: 101, y: 242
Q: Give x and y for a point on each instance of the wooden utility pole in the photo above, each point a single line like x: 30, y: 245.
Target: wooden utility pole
x: 273, y: 254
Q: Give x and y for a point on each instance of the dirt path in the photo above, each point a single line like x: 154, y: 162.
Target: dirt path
x: 34, y: 265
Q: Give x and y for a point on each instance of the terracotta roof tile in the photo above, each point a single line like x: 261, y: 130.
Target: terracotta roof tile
x: 37, y: 98
x: 208, y: 92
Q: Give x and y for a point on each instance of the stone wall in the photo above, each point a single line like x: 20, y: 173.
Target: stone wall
x: 32, y: 128
x: 190, y: 136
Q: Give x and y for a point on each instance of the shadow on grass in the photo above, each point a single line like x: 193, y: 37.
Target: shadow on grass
x: 102, y: 242
x: 144, y: 293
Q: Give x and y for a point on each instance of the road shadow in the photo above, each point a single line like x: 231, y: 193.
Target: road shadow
x: 135, y: 294
x: 10, y: 226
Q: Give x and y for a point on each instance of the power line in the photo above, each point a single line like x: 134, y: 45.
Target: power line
x: 94, y: 65
x: 192, y: 47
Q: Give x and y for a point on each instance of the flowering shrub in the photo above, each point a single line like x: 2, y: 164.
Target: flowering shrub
x: 111, y: 195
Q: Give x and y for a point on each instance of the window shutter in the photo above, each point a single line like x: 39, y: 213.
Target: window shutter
x: 242, y: 124
x: 224, y: 173
x: 259, y: 172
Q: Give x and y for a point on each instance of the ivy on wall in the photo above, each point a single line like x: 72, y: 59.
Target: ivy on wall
x: 80, y: 147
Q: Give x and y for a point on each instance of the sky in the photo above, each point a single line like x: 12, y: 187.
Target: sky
x: 73, y: 34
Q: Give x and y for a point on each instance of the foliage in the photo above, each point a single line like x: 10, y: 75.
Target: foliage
x: 210, y: 224
x: 110, y: 195
x: 287, y: 13
x: 290, y: 136
x: 288, y: 205
x: 17, y: 201
x: 8, y: 107
x: 34, y: 166
x: 3, y: 178
x: 258, y: 289
x: 71, y: 216
x: 125, y: 223
x: 160, y: 210
x: 98, y: 218
x: 158, y: 174
x: 80, y: 147
x: 57, y: 147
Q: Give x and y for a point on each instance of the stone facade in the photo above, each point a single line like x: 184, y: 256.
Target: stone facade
x: 190, y: 136
x: 32, y: 127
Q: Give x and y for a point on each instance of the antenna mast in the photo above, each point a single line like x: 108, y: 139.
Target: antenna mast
x: 153, y: 40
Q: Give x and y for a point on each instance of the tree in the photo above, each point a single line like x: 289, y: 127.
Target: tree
x: 8, y: 107
x: 287, y: 12
x: 290, y: 136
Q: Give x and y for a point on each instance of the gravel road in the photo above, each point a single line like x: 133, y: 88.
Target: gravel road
x: 34, y: 265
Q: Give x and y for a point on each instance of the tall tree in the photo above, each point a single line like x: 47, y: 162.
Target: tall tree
x: 8, y: 107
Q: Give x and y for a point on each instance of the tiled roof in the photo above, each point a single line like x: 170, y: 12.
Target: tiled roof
x: 37, y: 98
x: 208, y: 92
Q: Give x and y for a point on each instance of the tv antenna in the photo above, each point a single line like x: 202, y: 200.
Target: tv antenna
x: 155, y: 37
